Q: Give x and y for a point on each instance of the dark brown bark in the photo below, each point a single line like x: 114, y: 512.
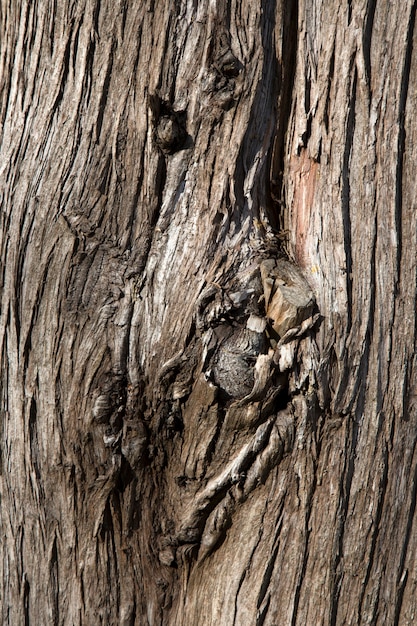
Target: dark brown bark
x: 208, y: 319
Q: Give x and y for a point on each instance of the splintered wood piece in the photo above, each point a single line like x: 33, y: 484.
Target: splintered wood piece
x: 289, y: 299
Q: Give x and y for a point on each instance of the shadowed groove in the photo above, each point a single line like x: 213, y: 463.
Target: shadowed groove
x: 367, y: 38
x: 405, y: 80
x: 346, y: 208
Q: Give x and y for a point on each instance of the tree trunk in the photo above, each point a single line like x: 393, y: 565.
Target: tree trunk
x: 208, y: 318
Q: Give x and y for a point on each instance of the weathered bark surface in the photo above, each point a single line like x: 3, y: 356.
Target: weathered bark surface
x: 196, y: 430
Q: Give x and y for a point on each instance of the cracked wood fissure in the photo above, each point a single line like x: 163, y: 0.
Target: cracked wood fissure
x: 208, y: 323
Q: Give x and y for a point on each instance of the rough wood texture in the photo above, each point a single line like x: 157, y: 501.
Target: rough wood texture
x: 208, y: 321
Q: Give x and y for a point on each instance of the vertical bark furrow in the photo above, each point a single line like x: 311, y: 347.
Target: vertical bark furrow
x: 403, y: 571
x: 367, y: 39
x: 405, y: 78
x: 365, y: 607
x: 346, y: 199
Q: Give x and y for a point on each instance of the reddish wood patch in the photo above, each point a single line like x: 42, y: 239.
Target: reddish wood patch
x: 304, y: 171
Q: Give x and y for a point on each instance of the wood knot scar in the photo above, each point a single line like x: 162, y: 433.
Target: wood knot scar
x: 170, y: 133
x: 233, y: 365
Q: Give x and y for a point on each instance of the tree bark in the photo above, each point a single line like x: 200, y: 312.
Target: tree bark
x: 208, y: 318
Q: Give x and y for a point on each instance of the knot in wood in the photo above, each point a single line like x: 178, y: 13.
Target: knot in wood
x: 228, y: 64
x: 109, y: 399
x: 170, y: 133
x: 234, y: 361
x: 224, y: 59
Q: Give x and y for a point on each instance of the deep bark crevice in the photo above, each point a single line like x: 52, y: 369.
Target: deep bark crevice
x: 286, y: 71
x: 405, y: 79
x: 347, y: 226
x: 367, y: 38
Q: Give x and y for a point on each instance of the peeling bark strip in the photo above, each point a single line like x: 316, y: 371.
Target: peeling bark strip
x: 207, y: 313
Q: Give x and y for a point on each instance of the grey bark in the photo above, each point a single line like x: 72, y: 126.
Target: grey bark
x: 208, y: 320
